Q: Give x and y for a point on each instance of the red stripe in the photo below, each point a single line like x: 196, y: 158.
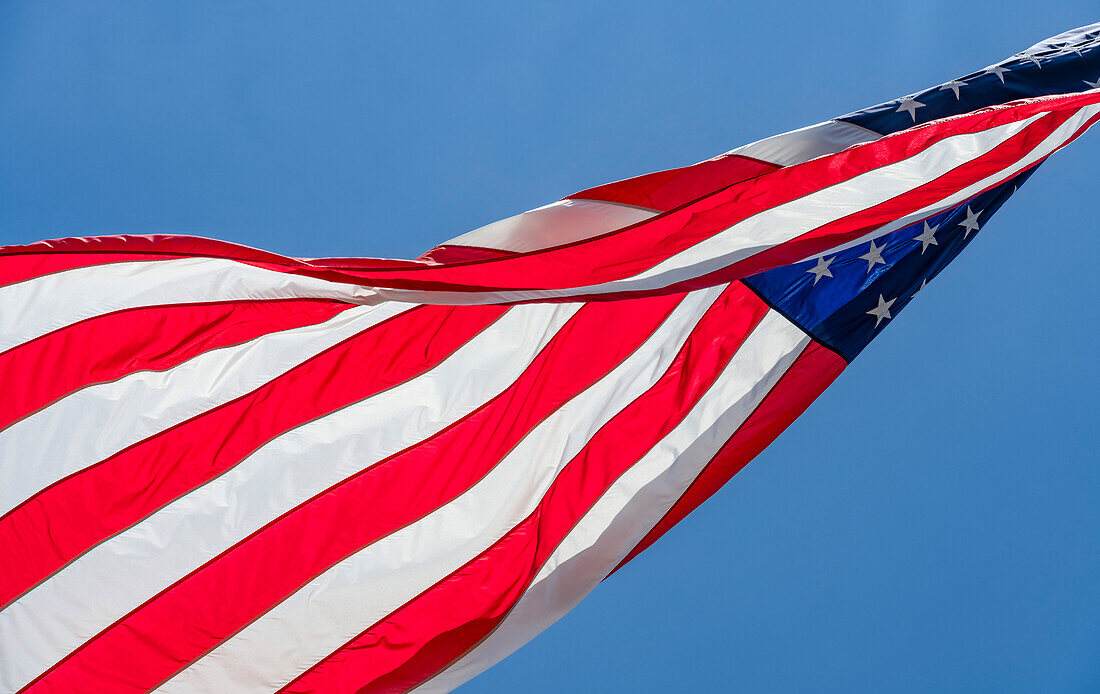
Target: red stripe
x: 866, y: 221
x: 149, y: 338
x: 616, y: 255
x: 779, y: 256
x: 22, y: 263
x: 855, y: 225
x: 61, y: 522
x: 661, y: 191
x: 440, y: 625
x: 666, y: 190
x: 192, y: 616
x: 814, y: 370
x: 628, y: 251
x: 462, y: 254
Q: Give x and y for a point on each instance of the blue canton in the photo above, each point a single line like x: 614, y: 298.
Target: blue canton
x: 843, y: 300
x: 1062, y: 65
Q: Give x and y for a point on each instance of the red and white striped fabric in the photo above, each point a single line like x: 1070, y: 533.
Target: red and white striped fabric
x: 227, y: 470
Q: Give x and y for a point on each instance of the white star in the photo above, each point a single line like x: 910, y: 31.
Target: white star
x: 1069, y: 47
x: 971, y: 222
x: 910, y: 105
x: 953, y: 85
x: 1093, y: 85
x: 1032, y: 58
x: 873, y: 256
x: 920, y: 288
x: 927, y: 237
x: 821, y: 269
x: 998, y: 71
x: 882, y: 310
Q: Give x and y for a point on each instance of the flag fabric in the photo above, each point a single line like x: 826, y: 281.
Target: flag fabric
x: 228, y: 470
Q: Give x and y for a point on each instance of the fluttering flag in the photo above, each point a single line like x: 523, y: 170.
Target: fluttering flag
x: 225, y: 470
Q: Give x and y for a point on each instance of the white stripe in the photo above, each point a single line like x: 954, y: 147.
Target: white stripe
x: 807, y: 143
x: 112, y: 578
x: 38, y: 306
x: 370, y: 584
x: 571, y: 220
x: 637, y: 500
x: 98, y: 421
x: 781, y: 223
x: 1056, y: 139
x: 772, y: 226
x: 555, y: 224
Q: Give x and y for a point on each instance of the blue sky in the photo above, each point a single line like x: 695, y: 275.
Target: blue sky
x: 932, y: 523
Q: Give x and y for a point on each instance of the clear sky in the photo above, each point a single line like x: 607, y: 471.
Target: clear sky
x: 932, y: 523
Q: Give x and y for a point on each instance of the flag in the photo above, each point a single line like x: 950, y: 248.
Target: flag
x: 228, y: 470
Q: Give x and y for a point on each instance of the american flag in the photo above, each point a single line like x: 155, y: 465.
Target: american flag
x: 228, y: 470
